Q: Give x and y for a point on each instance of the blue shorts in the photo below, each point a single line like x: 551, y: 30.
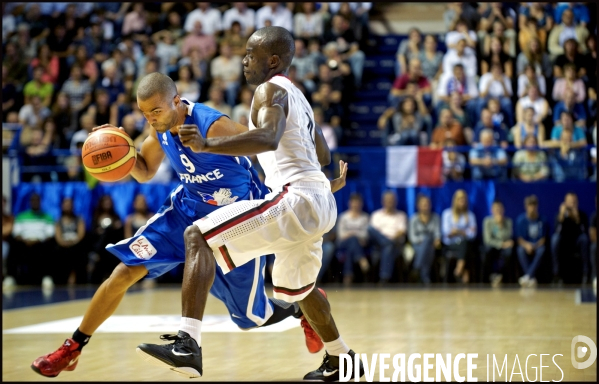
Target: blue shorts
x: 160, y: 247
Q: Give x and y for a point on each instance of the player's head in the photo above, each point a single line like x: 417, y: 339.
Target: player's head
x: 269, y: 51
x: 158, y: 100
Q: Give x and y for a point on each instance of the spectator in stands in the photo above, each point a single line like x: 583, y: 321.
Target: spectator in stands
x: 460, y: 56
x: 352, y: 238
x: 100, y: 109
x: 529, y: 76
x: 210, y: 19
x: 448, y: 128
x: 241, y: 112
x: 539, y: 14
x: 497, y: 85
x: 590, y: 58
x: 564, y: 31
x: 410, y: 48
x: 567, y: 124
x: 78, y: 89
x: 277, y: 14
x: 461, y: 11
x: 409, y: 120
x: 241, y: 13
x: 530, y: 29
x: 425, y: 236
x: 39, y: 88
x: 16, y: 65
x: 498, y: 20
x: 198, y: 65
x: 413, y: 75
x: 459, y: 32
x: 308, y: 23
x: 592, y: 240
x: 87, y: 124
x: 533, y: 99
x: 87, y: 64
x: 431, y: 59
x: 530, y: 163
x: 167, y: 51
x: 454, y: 162
x: 498, y: 56
x: 128, y: 125
x: 527, y: 127
x: 8, y: 221
x: 69, y: 235
x: 331, y: 135
x: 226, y: 67
x: 107, y: 228
x: 186, y: 86
x: 216, y: 100
x: 348, y: 46
x: 205, y: 43
x: 49, y: 62
x: 64, y: 118
x: 314, y: 52
x: 305, y: 65
x: 139, y: 217
x: 486, y: 122
x: 462, y: 116
x: 33, y: 232
x: 33, y: 114
x: 487, y: 160
x: 460, y: 83
x: 9, y: 94
x: 569, y: 81
x: 329, y: 99
x: 458, y: 229
x: 174, y: 25
x: 135, y: 21
x: 236, y: 40
x: 569, y: 163
x: 497, y: 242
x: 534, y: 55
x: 579, y: 10
x: 110, y: 83
x: 531, y: 234
x: 387, y: 230
x: 570, y: 236
x: 37, y: 149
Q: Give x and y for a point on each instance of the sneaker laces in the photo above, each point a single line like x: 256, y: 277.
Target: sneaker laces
x: 325, y: 362
x: 169, y: 337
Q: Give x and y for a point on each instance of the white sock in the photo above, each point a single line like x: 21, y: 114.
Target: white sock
x: 336, y: 347
x: 193, y: 327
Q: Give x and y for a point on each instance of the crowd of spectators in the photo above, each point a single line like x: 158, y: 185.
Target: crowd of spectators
x: 509, y: 72
x: 428, y: 247
x: 68, y: 67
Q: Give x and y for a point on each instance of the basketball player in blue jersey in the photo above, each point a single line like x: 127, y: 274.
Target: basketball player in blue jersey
x: 208, y: 181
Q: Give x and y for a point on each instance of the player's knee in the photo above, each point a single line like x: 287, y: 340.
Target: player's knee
x: 193, y: 236
x: 125, y: 276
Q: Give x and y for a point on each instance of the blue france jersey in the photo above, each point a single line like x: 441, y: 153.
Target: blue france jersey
x: 206, y: 177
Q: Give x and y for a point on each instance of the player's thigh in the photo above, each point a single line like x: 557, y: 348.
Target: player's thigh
x: 158, y: 245
x: 295, y: 270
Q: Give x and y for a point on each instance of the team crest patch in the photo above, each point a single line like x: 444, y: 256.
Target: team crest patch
x: 142, y: 248
x: 220, y: 197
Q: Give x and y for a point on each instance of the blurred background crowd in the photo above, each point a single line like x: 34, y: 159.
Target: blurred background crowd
x: 507, y: 92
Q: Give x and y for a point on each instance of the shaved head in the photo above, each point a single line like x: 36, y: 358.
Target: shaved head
x: 277, y: 41
x: 156, y: 83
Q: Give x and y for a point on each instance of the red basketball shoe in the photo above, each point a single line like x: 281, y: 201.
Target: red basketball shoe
x: 313, y: 341
x: 64, y: 358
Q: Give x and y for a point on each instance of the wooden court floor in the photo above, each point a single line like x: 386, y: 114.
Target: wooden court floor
x: 506, y: 321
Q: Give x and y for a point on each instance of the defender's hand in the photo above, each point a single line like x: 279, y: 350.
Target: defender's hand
x: 190, y: 137
x: 339, y: 182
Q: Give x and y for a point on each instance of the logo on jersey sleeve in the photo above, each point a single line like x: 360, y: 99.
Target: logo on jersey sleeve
x: 220, y: 197
x: 142, y: 248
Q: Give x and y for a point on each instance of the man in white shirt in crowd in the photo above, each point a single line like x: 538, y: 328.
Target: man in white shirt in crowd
x: 244, y: 15
x: 352, y: 238
x: 495, y: 84
x: 460, y: 55
x: 210, y: 18
x: 278, y: 15
x: 387, y: 229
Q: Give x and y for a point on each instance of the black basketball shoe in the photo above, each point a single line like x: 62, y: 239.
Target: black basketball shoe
x: 329, y: 370
x: 184, y: 356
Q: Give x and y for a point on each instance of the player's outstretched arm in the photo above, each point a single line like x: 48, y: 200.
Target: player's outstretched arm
x: 269, y: 116
x: 148, y: 160
x: 339, y: 182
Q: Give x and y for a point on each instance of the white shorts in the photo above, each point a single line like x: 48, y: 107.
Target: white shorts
x: 289, y: 222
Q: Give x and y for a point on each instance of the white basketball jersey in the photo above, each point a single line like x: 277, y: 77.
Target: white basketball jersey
x: 295, y: 158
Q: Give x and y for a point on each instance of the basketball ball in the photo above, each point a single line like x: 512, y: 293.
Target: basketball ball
x: 109, y: 154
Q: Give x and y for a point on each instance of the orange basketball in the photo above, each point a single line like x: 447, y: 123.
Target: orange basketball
x: 109, y: 154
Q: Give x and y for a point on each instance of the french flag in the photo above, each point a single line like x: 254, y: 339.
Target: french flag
x: 412, y: 166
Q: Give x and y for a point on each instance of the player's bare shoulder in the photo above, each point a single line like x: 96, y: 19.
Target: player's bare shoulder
x: 268, y: 94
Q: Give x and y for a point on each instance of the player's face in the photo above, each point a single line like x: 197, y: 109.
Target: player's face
x: 160, y: 112
x: 255, y: 62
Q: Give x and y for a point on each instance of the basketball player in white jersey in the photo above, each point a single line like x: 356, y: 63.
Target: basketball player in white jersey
x: 289, y: 222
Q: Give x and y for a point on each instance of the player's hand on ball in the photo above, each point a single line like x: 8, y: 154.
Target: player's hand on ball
x: 190, y: 137
x: 104, y: 126
x: 339, y: 182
